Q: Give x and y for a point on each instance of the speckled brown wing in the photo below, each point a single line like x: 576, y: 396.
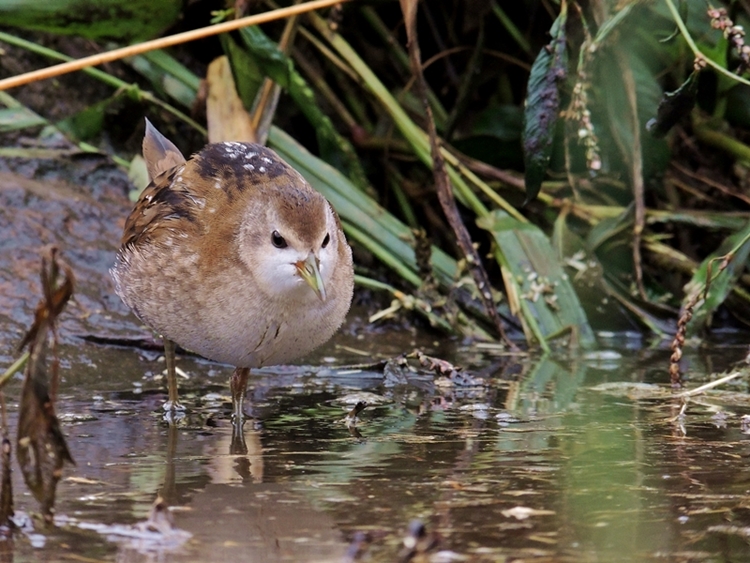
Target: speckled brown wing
x: 163, y: 201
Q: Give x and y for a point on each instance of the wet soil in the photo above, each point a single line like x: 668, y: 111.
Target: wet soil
x: 78, y: 202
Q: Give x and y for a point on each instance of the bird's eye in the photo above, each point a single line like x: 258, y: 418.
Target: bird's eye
x: 326, y: 241
x: 277, y: 240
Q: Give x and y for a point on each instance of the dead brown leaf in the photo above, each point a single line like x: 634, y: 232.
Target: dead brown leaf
x: 40, y: 444
x: 226, y: 115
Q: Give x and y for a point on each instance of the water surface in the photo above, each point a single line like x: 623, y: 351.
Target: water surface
x: 550, y: 459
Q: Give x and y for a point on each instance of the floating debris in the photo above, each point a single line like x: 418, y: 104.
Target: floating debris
x: 524, y: 512
x: 449, y: 375
x: 157, y: 534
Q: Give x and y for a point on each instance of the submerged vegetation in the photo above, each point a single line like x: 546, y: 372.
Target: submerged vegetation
x: 596, y: 150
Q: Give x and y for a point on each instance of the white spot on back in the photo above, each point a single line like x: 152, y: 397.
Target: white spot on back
x: 233, y: 149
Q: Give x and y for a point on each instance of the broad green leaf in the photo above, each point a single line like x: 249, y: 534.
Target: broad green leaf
x: 611, y: 91
x: 545, y: 291
x: 587, y: 277
x: 248, y: 76
x: 96, y: 19
x: 543, y: 105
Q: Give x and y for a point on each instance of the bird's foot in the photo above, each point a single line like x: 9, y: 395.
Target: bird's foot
x: 174, y: 417
x: 174, y: 406
x: 238, y: 418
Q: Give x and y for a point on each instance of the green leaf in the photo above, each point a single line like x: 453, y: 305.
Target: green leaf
x: 611, y: 91
x: 701, y: 218
x: 546, y: 295
x: 655, y: 317
x: 673, y: 107
x: 13, y: 119
x: 336, y: 150
x: 543, y: 105
x: 248, y: 76
x: 495, y: 136
x: 168, y: 76
x: 722, y: 283
x: 16, y: 116
x: 96, y: 19
x: 588, y: 279
x: 87, y: 123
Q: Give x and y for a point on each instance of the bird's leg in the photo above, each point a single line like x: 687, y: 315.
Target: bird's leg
x: 238, y: 446
x: 173, y: 404
x: 238, y: 385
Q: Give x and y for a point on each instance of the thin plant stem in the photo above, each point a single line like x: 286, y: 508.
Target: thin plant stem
x: 15, y: 366
x: 164, y: 42
x: 102, y: 76
x: 711, y: 385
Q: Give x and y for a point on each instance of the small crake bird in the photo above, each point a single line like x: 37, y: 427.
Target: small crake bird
x: 232, y: 255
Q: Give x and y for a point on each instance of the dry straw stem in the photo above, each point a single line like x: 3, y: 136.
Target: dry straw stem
x: 442, y: 182
x: 164, y: 42
x: 711, y: 385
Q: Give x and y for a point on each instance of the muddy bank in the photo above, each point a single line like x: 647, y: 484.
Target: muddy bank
x: 79, y: 202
